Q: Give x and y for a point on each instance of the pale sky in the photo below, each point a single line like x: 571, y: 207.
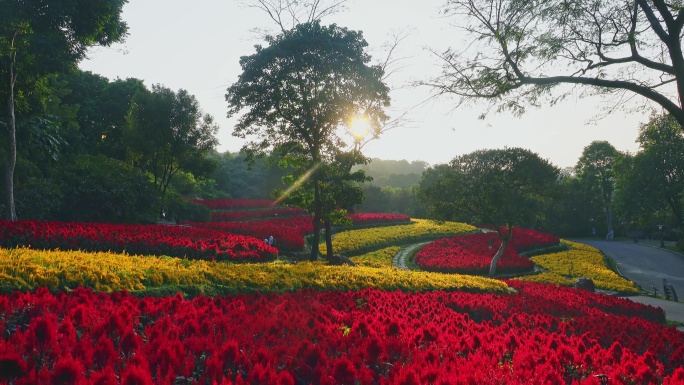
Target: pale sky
x: 196, y: 46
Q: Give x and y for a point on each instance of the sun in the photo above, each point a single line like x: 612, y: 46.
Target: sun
x: 359, y: 127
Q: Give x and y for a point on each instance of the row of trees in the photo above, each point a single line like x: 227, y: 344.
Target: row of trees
x: 75, y: 145
x: 606, y: 192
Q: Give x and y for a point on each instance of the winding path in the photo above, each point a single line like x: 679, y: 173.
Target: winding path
x: 644, y: 265
x: 399, y: 260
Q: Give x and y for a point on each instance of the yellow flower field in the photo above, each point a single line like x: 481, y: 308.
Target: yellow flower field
x: 378, y: 258
x: 24, y: 268
x: 355, y: 241
x: 564, y: 267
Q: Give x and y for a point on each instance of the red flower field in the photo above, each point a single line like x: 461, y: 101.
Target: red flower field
x: 471, y: 254
x: 539, y: 335
x: 176, y: 241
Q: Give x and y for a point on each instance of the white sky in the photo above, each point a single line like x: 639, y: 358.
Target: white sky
x: 196, y: 46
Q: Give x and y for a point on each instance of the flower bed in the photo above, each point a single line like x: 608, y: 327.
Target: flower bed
x: 540, y: 335
x: 355, y: 242
x: 27, y: 269
x: 529, y: 239
x: 375, y: 218
x: 177, y: 241
x: 288, y: 232
x: 471, y: 254
x: 378, y: 258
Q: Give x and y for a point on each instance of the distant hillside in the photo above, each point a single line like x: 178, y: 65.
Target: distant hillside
x: 394, y: 173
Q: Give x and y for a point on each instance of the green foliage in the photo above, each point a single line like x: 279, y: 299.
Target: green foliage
x: 180, y: 210
x: 98, y: 127
x: 36, y: 196
x: 574, y: 212
x: 394, y: 173
x: 595, y: 171
x: 100, y: 189
x: 649, y: 187
x: 495, y: 187
x: 36, y: 41
x: 401, y: 200
x: 168, y: 132
x: 187, y: 185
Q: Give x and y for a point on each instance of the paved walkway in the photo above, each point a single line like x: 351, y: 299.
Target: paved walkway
x: 399, y: 260
x: 647, y: 265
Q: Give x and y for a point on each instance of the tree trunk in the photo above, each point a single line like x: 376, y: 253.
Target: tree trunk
x: 609, y: 219
x: 328, y: 240
x: 317, y: 220
x: 316, y: 239
x: 11, y: 161
x: 505, y: 239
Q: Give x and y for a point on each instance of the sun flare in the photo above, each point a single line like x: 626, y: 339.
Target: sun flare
x: 359, y: 127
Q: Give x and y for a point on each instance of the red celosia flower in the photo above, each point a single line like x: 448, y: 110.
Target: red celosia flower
x: 134, y: 375
x: 67, y: 371
x: 107, y: 376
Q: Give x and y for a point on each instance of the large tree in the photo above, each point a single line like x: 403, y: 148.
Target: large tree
x: 168, y: 132
x: 43, y: 37
x: 500, y: 188
x: 595, y: 170
x: 652, y: 181
x: 296, y: 93
x: 521, y: 50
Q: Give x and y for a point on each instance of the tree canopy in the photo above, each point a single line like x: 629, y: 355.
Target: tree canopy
x: 652, y: 180
x: 595, y: 170
x: 297, y: 93
x: 167, y: 132
x: 521, y: 50
x: 499, y: 188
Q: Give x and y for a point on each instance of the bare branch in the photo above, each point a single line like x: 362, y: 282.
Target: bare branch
x: 519, y: 51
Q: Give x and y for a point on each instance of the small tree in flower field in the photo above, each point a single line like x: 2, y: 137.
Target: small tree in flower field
x: 501, y: 188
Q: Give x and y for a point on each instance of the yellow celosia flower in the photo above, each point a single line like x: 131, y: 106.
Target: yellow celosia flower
x: 354, y: 242
x: 378, y: 258
x: 28, y: 269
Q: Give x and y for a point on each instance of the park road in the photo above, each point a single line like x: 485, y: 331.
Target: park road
x: 645, y: 265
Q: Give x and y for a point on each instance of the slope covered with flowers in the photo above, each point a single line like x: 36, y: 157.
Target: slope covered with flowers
x: 74, y: 316
x: 535, y: 336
